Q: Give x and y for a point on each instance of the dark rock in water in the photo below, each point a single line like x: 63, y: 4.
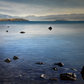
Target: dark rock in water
x: 40, y: 63
x: 82, y: 76
x: 43, y: 76
x: 82, y: 72
x: 6, y: 30
x: 22, y: 32
x: 54, y: 79
x: 7, y: 60
x: 55, y: 68
x: 15, y: 57
x: 59, y: 64
x: 20, y: 75
x: 68, y: 76
x: 30, y: 68
x: 73, y: 69
x: 50, y: 28
x: 8, y: 26
x: 44, y: 71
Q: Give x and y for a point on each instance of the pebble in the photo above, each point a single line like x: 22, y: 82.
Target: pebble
x: 54, y: 79
x: 40, y: 63
x: 55, y: 68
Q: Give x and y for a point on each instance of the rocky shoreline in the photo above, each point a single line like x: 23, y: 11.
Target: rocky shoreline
x: 70, y: 76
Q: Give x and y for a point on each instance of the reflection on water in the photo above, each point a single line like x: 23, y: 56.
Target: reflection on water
x: 64, y: 43
x: 42, y: 29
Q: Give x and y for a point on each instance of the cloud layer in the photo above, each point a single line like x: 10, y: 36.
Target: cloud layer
x: 41, y: 7
x: 70, y: 17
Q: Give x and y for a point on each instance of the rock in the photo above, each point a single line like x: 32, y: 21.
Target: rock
x: 22, y: 32
x: 59, y: 64
x: 30, y: 68
x: 43, y: 76
x: 8, y: 26
x: 82, y: 72
x: 6, y: 30
x: 55, y: 68
x: 44, y: 70
x: 7, y: 60
x: 15, y: 57
x: 20, y: 75
x: 68, y: 76
x: 54, y: 79
x: 40, y: 63
x: 82, y: 76
x: 50, y: 28
x: 73, y: 69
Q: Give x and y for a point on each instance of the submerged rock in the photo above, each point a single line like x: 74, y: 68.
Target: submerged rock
x: 82, y: 72
x: 59, y: 64
x: 40, y: 63
x: 30, y: 68
x: 68, y: 76
x: 55, y: 68
x: 50, y: 28
x: 6, y: 30
x: 15, y: 57
x: 73, y: 69
x: 22, y: 32
x: 43, y: 76
x: 7, y: 60
x: 8, y: 26
x: 20, y: 75
x: 54, y: 79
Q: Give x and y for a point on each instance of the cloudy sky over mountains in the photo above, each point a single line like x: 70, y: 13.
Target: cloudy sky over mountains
x: 43, y: 9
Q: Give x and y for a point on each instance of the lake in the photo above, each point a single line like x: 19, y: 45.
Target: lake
x: 64, y: 43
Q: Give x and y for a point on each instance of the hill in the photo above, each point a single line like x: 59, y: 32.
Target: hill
x: 62, y: 20
x: 13, y: 19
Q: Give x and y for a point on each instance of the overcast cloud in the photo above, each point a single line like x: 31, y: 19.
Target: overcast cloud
x: 23, y: 8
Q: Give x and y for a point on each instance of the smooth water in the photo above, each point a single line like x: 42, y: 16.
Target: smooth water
x: 64, y: 43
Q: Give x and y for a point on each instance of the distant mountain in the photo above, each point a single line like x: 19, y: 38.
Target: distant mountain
x: 61, y: 17
x: 13, y: 19
x: 61, y: 20
x: 6, y: 16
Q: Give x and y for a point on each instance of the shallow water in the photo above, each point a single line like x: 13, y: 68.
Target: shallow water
x: 64, y: 43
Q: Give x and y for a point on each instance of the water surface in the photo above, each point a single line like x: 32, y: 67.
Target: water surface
x: 64, y: 43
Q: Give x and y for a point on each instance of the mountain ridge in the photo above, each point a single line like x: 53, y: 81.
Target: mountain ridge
x: 69, y: 17
x: 13, y: 19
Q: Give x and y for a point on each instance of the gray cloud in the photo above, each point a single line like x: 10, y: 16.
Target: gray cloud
x: 41, y: 7
x: 70, y: 17
x: 54, y: 3
x: 22, y: 9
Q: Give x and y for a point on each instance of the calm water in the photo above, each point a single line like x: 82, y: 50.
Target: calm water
x: 64, y: 43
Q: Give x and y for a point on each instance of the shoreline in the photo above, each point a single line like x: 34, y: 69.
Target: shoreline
x: 11, y: 74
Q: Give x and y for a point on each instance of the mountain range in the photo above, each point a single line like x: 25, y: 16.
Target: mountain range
x: 66, y: 17
x: 13, y: 19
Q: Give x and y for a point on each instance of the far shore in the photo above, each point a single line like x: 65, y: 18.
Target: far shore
x: 13, y: 19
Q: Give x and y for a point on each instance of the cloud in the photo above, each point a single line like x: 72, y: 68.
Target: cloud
x: 70, y: 17
x: 20, y: 9
x: 40, y: 7
x: 55, y: 3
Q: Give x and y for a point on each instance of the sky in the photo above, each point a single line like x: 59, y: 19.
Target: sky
x: 37, y: 8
